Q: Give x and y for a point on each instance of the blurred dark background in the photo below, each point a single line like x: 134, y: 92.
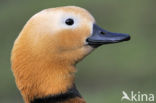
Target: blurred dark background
x: 103, y: 75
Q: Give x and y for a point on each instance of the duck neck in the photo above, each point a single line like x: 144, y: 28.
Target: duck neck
x: 49, y: 83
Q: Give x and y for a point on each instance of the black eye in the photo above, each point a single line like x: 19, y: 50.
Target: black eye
x: 69, y: 21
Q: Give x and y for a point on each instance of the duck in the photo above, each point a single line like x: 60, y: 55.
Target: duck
x: 45, y: 53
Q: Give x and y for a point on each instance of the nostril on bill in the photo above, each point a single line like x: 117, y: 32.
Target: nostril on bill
x: 103, y: 33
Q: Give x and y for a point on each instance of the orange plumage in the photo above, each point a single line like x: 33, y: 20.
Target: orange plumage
x: 46, y: 51
x: 43, y: 58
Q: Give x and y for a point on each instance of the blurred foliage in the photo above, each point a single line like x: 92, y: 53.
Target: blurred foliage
x: 108, y: 70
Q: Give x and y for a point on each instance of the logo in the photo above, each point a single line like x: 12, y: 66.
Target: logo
x: 137, y: 97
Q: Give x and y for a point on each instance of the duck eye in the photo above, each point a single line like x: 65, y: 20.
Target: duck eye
x: 69, y: 21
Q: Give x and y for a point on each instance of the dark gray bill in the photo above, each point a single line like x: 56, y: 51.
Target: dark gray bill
x: 101, y: 36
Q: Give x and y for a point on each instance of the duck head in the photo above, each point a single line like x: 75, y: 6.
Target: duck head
x: 50, y: 44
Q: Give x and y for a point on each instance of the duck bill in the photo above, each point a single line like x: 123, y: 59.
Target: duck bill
x: 101, y: 36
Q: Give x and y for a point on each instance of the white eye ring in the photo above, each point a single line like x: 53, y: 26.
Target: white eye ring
x: 69, y: 21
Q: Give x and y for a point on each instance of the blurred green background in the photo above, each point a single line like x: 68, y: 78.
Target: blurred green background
x: 110, y: 69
